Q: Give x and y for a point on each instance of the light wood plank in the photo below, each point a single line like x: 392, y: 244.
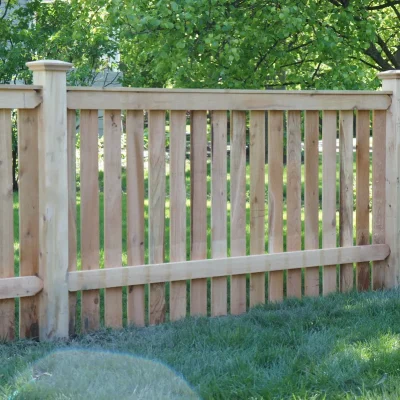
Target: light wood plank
x: 346, y: 194
x: 293, y: 193
x: 28, y: 179
x: 198, y: 207
x: 116, y: 277
x: 90, y: 230
x: 362, y: 195
x: 72, y: 227
x: 311, y: 200
x: 329, y: 130
x: 22, y: 286
x: 219, y: 287
x: 203, y: 99
x: 379, y: 193
x: 177, y: 209
x: 53, y: 198
x: 112, y: 212
x: 238, y: 206
x: 22, y: 97
x: 211, y: 91
x: 391, y: 81
x: 275, y: 198
x: 135, y: 210
x: 7, y: 319
x: 156, y: 210
x: 257, y: 201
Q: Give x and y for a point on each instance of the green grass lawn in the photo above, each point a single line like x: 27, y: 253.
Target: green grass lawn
x: 338, y: 347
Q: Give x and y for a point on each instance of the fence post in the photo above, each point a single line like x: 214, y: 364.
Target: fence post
x: 53, y: 197
x: 391, y: 82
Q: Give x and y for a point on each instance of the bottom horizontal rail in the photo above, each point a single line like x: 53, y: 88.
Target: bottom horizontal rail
x: 20, y: 286
x: 177, y: 271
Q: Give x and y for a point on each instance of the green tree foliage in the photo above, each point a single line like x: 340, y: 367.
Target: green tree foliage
x: 72, y: 31
x: 302, y: 44
x: 336, y: 44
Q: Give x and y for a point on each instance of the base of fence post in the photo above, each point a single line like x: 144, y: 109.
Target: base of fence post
x: 391, y: 82
x: 53, y: 197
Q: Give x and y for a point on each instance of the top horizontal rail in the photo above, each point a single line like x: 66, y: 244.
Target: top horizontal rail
x: 20, y: 96
x: 214, y: 99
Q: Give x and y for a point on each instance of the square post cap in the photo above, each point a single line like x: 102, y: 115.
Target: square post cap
x: 391, y: 74
x: 49, y: 65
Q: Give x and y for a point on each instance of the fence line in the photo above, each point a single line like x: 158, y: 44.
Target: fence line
x: 57, y: 260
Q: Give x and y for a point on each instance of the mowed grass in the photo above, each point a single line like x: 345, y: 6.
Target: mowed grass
x: 338, y: 347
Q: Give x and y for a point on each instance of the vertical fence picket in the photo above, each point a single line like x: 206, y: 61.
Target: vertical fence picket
x: 293, y: 195
x: 6, y: 223
x: 28, y: 189
x: 177, y: 209
x: 238, y: 206
x: 311, y: 199
x: 156, y: 210
x: 362, y: 194
x: 112, y: 212
x: 219, y: 244
x: 329, y: 129
x: 275, y: 198
x: 257, y: 201
x: 90, y: 229
x: 378, y: 193
x: 135, y: 210
x: 198, y: 207
x: 72, y: 231
x: 346, y: 194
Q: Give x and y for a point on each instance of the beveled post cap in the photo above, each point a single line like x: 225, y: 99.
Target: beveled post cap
x: 49, y: 65
x: 391, y: 74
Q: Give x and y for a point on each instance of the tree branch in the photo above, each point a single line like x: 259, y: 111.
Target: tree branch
x: 386, y: 50
x: 396, y: 12
x: 6, y: 10
x: 384, y: 5
x: 366, y: 63
x: 374, y: 53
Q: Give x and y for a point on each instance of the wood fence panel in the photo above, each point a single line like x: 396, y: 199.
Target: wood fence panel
x: 72, y: 228
x: 238, y: 206
x: 157, y: 305
x: 112, y: 212
x: 90, y: 229
x: 275, y: 198
x: 219, y: 287
x: 311, y: 197
x: 135, y: 210
x: 217, y: 99
x: 198, y: 207
x: 153, y: 273
x: 257, y: 201
x: 329, y: 129
x: 293, y: 193
x: 362, y: 195
x: 28, y: 190
x: 7, y: 308
x: 379, y: 193
x: 177, y: 199
x: 346, y: 194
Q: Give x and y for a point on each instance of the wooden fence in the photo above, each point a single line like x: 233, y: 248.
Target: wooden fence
x: 54, y: 272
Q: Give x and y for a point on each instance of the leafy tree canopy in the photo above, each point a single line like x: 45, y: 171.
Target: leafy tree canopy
x: 331, y: 44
